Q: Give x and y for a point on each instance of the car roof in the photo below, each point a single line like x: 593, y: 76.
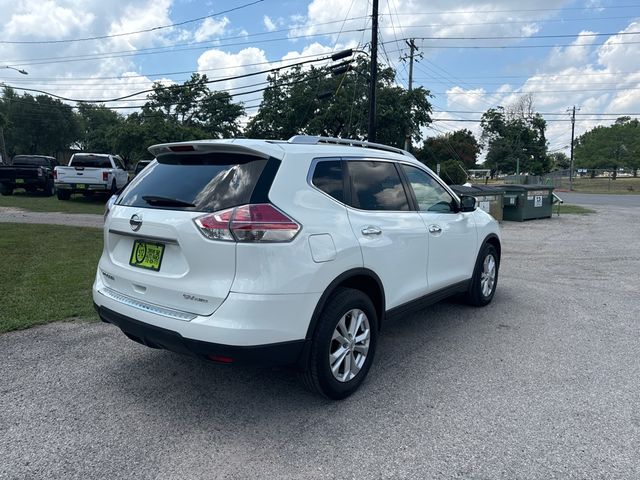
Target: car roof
x: 314, y: 146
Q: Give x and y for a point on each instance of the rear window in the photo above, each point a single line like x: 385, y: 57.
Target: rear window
x: 210, y: 182
x: 26, y: 160
x: 91, y: 161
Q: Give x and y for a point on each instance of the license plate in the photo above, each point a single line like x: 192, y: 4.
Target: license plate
x: 147, y: 255
x: 19, y: 180
x: 80, y: 186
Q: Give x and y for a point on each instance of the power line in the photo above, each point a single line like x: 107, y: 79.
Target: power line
x: 152, y: 29
x: 184, y: 72
x: 173, y: 49
x: 129, y: 96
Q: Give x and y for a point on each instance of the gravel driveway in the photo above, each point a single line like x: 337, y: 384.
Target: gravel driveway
x: 543, y: 383
x: 18, y: 215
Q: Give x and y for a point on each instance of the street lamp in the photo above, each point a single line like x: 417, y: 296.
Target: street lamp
x: 19, y: 70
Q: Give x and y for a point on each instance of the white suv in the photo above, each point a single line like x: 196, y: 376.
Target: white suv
x: 287, y: 252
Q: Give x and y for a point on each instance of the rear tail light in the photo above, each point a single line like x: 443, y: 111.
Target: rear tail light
x: 105, y: 176
x: 249, y: 223
x: 55, y: 174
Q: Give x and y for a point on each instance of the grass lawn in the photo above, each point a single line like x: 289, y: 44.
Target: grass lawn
x: 572, y: 209
x: 46, y: 273
x: 620, y: 186
x: 40, y: 203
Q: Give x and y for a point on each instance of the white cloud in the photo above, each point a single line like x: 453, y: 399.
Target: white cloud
x: 211, y: 28
x: 268, y: 23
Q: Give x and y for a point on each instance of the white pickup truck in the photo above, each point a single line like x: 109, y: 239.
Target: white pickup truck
x: 90, y: 172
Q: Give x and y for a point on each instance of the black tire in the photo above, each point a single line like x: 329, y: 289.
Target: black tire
x: 476, y: 295
x: 64, y: 194
x: 319, y: 377
x: 6, y: 190
x: 50, y: 189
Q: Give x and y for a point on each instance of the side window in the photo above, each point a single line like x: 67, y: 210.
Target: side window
x: 430, y: 195
x: 327, y: 176
x: 118, y: 163
x: 377, y: 186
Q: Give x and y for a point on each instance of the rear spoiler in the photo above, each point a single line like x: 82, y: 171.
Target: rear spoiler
x: 257, y: 149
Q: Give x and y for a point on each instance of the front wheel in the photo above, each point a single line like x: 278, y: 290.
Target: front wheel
x: 344, y: 344
x: 485, y: 277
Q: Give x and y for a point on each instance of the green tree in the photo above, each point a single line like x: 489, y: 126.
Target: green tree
x: 559, y: 161
x: 515, y: 137
x: 36, y: 125
x: 194, y: 105
x: 97, y: 123
x: 610, y: 147
x: 313, y: 102
x: 460, y: 145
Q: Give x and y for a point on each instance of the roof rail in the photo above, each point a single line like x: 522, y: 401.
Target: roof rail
x: 314, y: 140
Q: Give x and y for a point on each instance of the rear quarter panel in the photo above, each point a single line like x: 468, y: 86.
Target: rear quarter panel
x: 290, y: 267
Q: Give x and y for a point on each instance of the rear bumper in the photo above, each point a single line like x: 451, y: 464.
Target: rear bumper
x: 93, y: 187
x: 22, y: 182
x: 283, y: 353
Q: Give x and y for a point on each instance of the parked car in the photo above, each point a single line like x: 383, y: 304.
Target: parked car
x: 90, y: 173
x: 31, y: 172
x: 287, y: 252
x: 140, y: 166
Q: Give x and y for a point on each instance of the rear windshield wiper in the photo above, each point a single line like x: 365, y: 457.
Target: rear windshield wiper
x: 166, y: 201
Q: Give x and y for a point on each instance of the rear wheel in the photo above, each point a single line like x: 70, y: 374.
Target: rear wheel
x: 344, y: 344
x: 64, y: 194
x: 485, y: 277
x: 5, y: 189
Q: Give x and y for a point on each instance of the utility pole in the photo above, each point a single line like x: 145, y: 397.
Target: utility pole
x: 412, y: 49
x: 573, y: 129
x: 3, y: 147
x: 371, y: 131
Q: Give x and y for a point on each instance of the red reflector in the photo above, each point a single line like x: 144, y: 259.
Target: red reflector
x: 220, y: 358
x: 105, y: 176
x: 55, y: 175
x: 182, y: 148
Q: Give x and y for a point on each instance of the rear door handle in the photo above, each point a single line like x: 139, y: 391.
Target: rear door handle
x: 370, y: 230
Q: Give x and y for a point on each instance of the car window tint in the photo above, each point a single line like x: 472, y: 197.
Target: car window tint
x: 90, y: 161
x: 377, y: 186
x: 28, y: 160
x: 327, y: 176
x: 210, y: 181
x: 430, y: 195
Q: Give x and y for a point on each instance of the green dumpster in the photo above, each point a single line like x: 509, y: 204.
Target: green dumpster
x: 488, y: 197
x: 527, y: 202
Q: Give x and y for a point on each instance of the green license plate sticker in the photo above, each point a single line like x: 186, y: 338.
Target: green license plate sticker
x: 147, y: 255
x: 19, y: 180
x: 80, y: 186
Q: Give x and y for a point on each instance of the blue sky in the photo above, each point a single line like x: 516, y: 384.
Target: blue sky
x: 595, y: 65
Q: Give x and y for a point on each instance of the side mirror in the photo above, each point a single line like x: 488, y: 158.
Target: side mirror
x: 467, y: 203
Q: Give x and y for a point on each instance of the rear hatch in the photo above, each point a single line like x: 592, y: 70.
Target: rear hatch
x: 184, y: 270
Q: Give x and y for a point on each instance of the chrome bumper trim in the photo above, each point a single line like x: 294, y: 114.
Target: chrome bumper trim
x: 146, y: 307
